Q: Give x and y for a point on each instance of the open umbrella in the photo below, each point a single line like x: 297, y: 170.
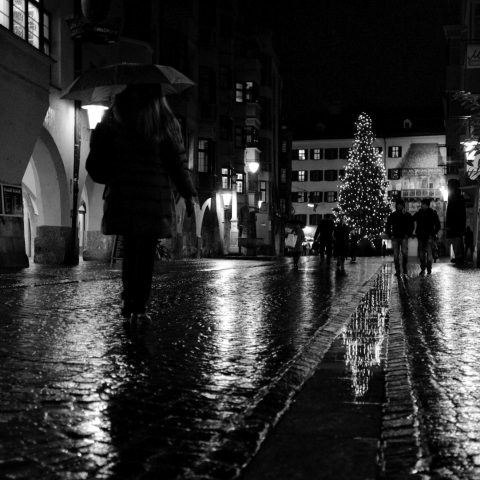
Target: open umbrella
x: 101, y: 84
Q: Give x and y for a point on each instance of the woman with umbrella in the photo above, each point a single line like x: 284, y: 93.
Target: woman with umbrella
x: 137, y: 151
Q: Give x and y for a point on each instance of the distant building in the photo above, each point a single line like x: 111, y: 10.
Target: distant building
x: 415, y: 168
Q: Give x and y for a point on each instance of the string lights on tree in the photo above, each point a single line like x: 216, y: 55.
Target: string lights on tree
x: 363, y: 193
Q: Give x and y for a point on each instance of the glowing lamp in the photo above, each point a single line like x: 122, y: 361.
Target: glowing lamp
x: 95, y: 114
x: 227, y: 198
x: 253, y: 167
x: 311, y: 205
x: 444, y: 192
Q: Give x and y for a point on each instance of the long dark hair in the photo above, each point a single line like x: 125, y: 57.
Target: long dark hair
x: 145, y: 109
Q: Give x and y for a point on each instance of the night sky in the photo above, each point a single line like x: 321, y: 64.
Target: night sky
x: 379, y: 56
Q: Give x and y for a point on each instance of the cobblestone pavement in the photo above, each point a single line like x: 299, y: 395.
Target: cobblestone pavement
x: 442, y: 321
x: 190, y: 396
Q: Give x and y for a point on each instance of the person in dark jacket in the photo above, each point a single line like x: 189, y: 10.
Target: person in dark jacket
x: 427, y: 226
x: 399, y: 228
x: 137, y: 152
x: 341, y: 235
x: 455, y: 220
x: 324, y: 237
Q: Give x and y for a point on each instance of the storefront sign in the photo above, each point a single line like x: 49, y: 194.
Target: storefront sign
x: 12, y: 202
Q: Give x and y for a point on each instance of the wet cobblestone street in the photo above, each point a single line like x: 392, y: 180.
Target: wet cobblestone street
x: 190, y: 396
x: 442, y: 320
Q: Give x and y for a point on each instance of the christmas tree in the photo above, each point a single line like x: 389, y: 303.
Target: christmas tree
x: 362, y: 194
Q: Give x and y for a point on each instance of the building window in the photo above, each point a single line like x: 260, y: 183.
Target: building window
x: 331, y: 153
x: 316, y: 197
x: 316, y: 153
x: 395, y: 151
x: 239, y: 143
x: 240, y: 182
x: 316, y: 175
x: 203, y: 155
x: 226, y: 179
x: 245, y: 92
x: 315, y: 219
x: 284, y: 146
x: 330, y: 197
x: 251, y: 136
x: 28, y: 21
x: 263, y: 191
x: 283, y: 205
x: 299, y: 197
x: 394, y: 173
x: 379, y: 150
x: 283, y: 175
x: 239, y: 92
x: 302, y: 154
x: 341, y: 174
x: 302, y: 175
x: 331, y: 175
x: 343, y: 153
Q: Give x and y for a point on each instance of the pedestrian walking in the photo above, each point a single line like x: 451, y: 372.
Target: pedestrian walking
x: 341, y: 234
x: 354, y: 237
x: 399, y: 228
x: 427, y: 226
x: 468, y: 244
x: 384, y: 249
x: 297, y: 249
x: 455, y: 220
x: 137, y: 152
x: 324, y: 237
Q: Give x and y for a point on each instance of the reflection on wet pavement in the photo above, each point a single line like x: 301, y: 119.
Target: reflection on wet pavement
x: 85, y: 398
x: 442, y: 322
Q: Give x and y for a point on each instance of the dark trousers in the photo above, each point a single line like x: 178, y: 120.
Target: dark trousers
x: 137, y: 270
x: 325, y: 248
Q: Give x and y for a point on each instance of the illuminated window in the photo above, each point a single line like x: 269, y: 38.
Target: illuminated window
x: 251, y: 136
x: 28, y: 20
x: 302, y: 154
x: 395, y: 151
x: 239, y: 92
x: 263, y: 191
x: 240, y: 182
x: 317, y: 154
x: 302, y: 176
x: 226, y: 181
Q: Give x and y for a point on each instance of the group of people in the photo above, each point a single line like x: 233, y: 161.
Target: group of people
x: 337, y: 240
x: 401, y: 225
x: 330, y: 239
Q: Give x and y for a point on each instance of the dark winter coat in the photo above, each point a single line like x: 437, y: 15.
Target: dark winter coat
x: 399, y: 224
x: 341, y: 237
x: 139, y: 176
x: 427, y: 223
x: 456, y: 217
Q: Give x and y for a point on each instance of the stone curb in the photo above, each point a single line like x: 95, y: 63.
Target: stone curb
x: 402, y: 453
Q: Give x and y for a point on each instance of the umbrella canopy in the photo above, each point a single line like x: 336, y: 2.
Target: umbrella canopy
x: 102, y: 84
